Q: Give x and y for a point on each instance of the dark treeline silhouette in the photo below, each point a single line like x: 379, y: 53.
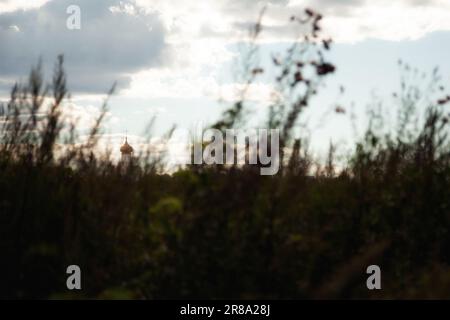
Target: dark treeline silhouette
x: 225, y: 232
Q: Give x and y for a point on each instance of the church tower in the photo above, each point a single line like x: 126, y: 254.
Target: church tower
x: 127, y: 152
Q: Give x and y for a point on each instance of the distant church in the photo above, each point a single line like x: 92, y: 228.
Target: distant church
x: 127, y: 152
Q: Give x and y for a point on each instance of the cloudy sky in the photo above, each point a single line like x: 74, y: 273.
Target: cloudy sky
x: 174, y: 58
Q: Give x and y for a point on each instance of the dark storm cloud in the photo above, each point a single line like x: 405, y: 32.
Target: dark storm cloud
x: 109, y: 46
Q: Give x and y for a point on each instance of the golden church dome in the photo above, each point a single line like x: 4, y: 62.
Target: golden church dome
x: 126, y: 148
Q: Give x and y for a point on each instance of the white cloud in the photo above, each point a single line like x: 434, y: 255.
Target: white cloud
x: 193, y: 73
x: 389, y: 20
x: 345, y: 20
x: 12, y: 5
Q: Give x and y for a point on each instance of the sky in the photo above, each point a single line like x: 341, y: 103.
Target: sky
x: 175, y: 59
